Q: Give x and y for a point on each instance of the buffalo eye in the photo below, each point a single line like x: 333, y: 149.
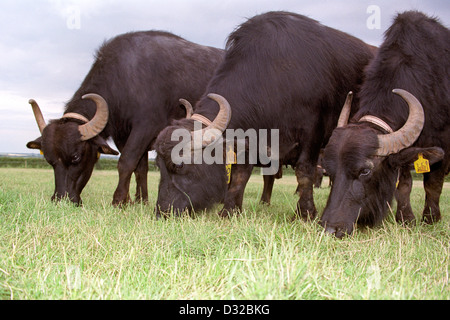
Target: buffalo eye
x: 179, y: 166
x: 365, y: 172
x: 76, y: 158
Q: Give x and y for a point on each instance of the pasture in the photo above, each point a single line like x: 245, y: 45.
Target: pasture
x: 59, y: 251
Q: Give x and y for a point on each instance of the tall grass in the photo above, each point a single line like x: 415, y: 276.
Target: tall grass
x: 58, y: 251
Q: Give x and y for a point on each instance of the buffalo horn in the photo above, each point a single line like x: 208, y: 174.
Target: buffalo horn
x: 188, y: 106
x: 408, y: 134
x: 98, y: 122
x: 345, y: 113
x: 220, y: 123
x: 38, y: 115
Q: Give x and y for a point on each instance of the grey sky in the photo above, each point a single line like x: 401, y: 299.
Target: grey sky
x: 47, y: 47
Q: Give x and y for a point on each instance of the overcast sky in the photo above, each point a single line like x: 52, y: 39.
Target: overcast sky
x: 47, y: 47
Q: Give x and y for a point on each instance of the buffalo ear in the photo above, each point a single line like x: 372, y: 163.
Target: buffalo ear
x: 103, y: 147
x: 406, y: 157
x: 36, y: 144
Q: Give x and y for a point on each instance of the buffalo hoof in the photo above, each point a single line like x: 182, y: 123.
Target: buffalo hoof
x: 405, y: 217
x: 307, y: 216
x: 430, y: 219
x: 406, y: 222
x: 140, y: 200
x: 121, y: 199
x: 122, y: 203
x: 337, y: 232
x: 228, y: 213
x: 225, y: 213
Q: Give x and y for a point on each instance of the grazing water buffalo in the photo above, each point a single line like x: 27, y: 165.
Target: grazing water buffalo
x: 282, y: 72
x: 378, y: 147
x: 137, y: 79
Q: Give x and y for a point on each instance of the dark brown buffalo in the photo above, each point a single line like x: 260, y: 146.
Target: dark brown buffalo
x: 137, y: 79
x: 282, y: 71
x: 367, y: 156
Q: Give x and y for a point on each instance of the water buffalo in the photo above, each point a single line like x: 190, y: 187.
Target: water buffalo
x: 367, y: 156
x: 282, y: 72
x: 135, y: 81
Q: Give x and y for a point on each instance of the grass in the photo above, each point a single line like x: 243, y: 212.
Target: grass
x: 58, y: 251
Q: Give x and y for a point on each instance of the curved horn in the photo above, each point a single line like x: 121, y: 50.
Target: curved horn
x: 188, y: 106
x: 221, y: 121
x: 98, y: 122
x: 406, y: 135
x: 38, y: 115
x: 345, y: 113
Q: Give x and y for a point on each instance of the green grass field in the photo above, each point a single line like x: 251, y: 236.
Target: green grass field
x: 58, y: 251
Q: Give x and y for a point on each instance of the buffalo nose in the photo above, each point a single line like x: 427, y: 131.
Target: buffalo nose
x: 157, y: 212
x: 75, y: 199
x: 330, y: 230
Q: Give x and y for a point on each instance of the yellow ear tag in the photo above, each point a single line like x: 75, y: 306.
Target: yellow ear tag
x: 41, y: 152
x: 228, y: 169
x: 231, y: 159
x: 98, y: 155
x: 231, y: 156
x: 398, y: 179
x: 422, y: 165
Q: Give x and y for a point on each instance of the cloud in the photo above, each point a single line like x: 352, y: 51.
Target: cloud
x: 47, y: 47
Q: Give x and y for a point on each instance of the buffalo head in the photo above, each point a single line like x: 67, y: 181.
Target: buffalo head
x: 191, y: 185
x: 363, y: 160
x: 71, y: 145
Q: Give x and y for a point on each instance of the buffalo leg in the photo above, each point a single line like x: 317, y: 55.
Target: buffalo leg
x: 132, y: 153
x: 240, y: 174
x: 404, y: 214
x: 318, y: 177
x: 141, y: 179
x: 121, y: 195
x: 433, y: 183
x: 267, y: 190
x: 268, y: 185
x: 305, y: 178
